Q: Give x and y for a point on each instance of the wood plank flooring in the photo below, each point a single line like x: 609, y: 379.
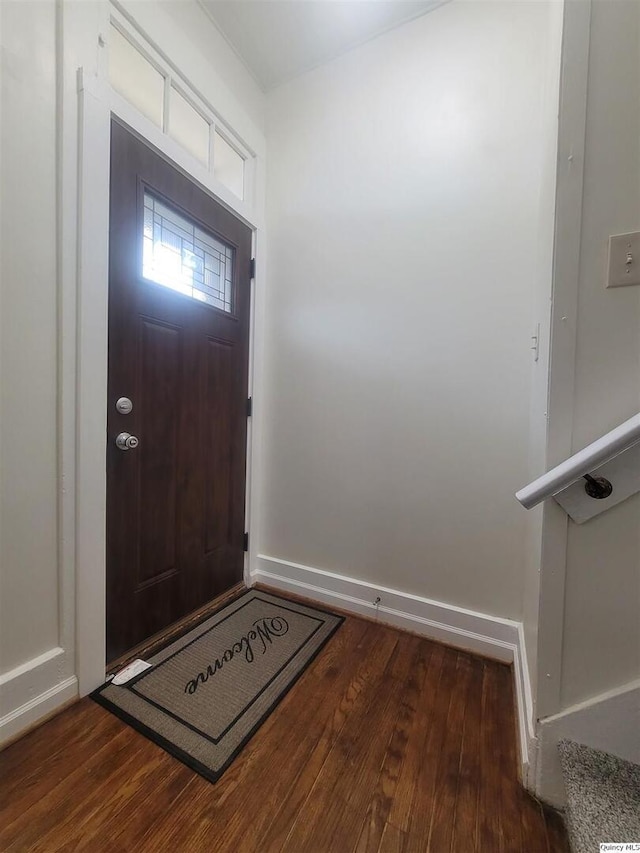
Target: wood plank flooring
x: 389, y: 743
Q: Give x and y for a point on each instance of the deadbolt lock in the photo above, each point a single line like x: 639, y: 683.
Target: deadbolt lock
x: 124, y: 405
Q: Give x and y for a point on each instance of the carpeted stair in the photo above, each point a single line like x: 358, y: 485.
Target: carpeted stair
x: 603, y: 797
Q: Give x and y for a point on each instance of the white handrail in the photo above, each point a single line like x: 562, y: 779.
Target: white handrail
x: 583, y: 462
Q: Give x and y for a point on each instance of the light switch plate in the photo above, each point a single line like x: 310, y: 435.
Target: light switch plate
x: 624, y: 260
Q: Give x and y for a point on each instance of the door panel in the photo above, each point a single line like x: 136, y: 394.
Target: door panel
x: 175, y: 503
x: 159, y: 347
x: 215, y: 452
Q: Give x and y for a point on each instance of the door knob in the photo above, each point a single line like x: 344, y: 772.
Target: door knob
x: 126, y: 441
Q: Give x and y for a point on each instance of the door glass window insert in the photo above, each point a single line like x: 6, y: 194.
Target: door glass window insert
x: 180, y: 255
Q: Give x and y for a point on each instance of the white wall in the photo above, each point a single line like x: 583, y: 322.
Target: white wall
x: 37, y: 658
x: 601, y: 647
x: 404, y: 215
x: 28, y: 434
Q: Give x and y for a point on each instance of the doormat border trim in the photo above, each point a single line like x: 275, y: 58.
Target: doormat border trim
x: 167, y: 745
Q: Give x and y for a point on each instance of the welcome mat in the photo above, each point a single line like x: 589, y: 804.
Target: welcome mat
x: 209, y: 691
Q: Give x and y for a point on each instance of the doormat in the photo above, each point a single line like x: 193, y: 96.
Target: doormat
x: 209, y: 691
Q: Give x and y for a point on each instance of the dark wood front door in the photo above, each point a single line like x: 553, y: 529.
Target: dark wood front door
x: 179, y: 287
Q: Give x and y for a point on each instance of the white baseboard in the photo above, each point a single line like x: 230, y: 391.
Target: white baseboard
x: 501, y: 639
x: 33, y: 690
x: 609, y: 722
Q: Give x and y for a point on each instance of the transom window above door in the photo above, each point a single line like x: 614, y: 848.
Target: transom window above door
x: 178, y: 254
x: 163, y: 98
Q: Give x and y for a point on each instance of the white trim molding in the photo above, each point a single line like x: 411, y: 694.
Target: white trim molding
x: 491, y: 636
x: 564, y: 315
x: 609, y: 722
x: 32, y: 690
x: 90, y: 376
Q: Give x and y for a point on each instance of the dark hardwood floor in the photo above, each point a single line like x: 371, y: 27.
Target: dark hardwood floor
x: 387, y: 743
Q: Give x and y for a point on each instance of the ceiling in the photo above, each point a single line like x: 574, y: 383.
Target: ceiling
x: 279, y: 39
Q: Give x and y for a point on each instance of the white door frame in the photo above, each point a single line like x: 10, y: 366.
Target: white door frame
x: 97, y: 103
